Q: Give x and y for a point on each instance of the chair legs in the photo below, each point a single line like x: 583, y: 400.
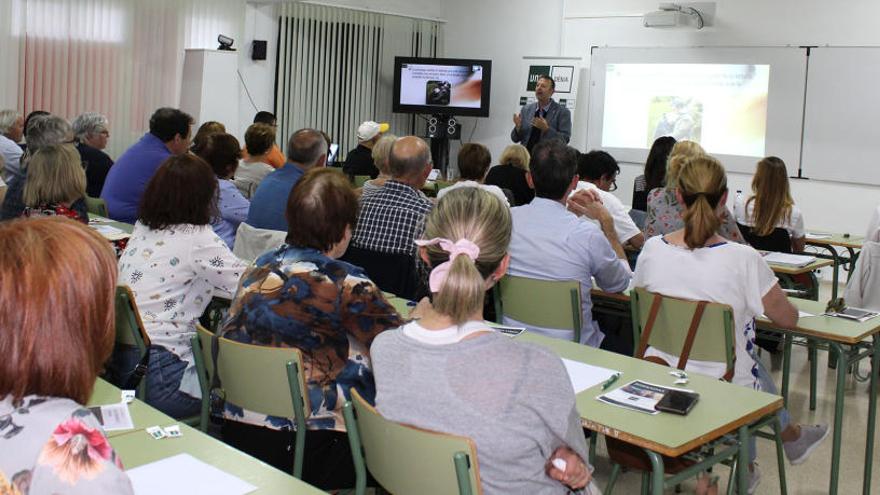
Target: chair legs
x: 780, y: 454
x: 615, y: 473
x: 592, y: 453
x: 646, y: 482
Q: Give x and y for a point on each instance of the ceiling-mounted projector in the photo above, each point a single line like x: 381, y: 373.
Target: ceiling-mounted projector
x: 673, y: 15
x: 662, y: 18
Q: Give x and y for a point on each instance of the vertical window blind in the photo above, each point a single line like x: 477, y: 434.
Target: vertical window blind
x: 335, y: 68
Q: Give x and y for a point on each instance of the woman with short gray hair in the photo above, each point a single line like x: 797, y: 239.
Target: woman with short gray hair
x: 92, y: 131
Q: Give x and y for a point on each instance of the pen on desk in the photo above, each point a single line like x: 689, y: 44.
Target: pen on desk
x: 609, y: 382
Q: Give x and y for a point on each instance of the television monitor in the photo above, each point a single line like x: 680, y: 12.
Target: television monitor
x: 449, y: 86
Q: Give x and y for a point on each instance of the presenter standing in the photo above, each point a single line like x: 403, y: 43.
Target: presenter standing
x: 545, y: 119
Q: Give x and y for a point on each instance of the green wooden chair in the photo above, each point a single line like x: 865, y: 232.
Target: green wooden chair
x: 690, y: 330
x: 408, y: 460
x: 130, y: 330
x: 442, y: 184
x: 269, y: 380
x: 540, y: 303
x: 359, y: 180
x: 97, y: 206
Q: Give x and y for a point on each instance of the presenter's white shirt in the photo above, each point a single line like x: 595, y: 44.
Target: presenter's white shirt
x: 726, y: 273
x: 793, y: 223
x: 623, y: 224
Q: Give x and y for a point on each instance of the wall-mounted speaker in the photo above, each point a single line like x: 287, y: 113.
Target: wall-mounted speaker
x: 258, y: 50
x: 434, y: 129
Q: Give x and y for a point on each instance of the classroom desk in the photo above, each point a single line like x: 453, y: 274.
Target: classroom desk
x: 723, y: 409
x: 847, y: 342
x: 99, y: 220
x: 850, y: 243
x: 142, y: 415
x: 136, y: 447
x: 799, y: 270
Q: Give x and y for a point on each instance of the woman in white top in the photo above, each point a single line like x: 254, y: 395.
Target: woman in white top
x: 474, y: 161
x: 258, y: 140
x: 175, y: 264
x: 450, y: 372
x: 770, y: 206
x: 697, y: 263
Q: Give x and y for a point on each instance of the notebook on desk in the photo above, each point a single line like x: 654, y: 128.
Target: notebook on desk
x: 785, y: 259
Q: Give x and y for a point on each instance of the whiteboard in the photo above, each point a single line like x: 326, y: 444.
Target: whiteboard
x: 842, y: 117
x: 785, y: 96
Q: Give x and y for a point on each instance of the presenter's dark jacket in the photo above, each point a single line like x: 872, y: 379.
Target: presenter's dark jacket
x: 97, y: 165
x: 360, y: 162
x: 558, y: 117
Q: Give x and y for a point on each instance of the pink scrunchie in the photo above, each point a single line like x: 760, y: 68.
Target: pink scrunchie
x: 440, y: 272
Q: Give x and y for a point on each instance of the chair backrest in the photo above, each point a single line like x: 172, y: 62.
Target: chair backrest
x: 359, y: 180
x: 130, y: 329
x: 779, y: 240
x: 540, y: 303
x: 97, y: 206
x: 405, y: 459
x: 266, y: 380
x: 392, y: 272
x: 251, y: 242
x: 673, y: 320
x: 638, y: 217
x: 442, y: 184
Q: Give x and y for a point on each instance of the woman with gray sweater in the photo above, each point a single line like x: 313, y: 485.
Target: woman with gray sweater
x: 447, y: 371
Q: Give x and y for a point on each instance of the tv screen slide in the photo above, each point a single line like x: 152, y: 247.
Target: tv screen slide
x: 721, y: 106
x: 447, y: 86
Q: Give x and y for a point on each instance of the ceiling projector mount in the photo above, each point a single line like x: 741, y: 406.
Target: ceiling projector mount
x: 671, y: 15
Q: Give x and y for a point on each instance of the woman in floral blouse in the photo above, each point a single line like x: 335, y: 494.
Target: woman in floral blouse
x: 174, y: 264
x: 300, y: 295
x: 58, y: 280
x: 665, y: 212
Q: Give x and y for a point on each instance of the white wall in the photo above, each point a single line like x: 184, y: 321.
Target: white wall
x: 826, y: 205
x: 260, y: 23
x: 504, y: 32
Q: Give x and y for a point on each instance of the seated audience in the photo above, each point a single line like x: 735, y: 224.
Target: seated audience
x: 392, y: 218
x: 222, y: 152
x: 655, y: 172
x: 359, y: 161
x: 598, y: 172
x: 440, y: 372
x: 699, y: 264
x: 306, y: 150
x: 283, y: 302
x: 205, y: 130
x: 124, y: 186
x: 55, y: 181
x: 253, y: 168
x: 274, y: 157
x: 552, y: 242
x: 42, y: 131
x: 510, y: 174
x: 58, y: 281
x: 474, y: 161
x: 770, y: 206
x: 11, y: 132
x: 2, y: 183
x: 381, y: 153
x: 92, y: 132
x: 665, y: 213
x: 174, y: 264
x: 27, y: 120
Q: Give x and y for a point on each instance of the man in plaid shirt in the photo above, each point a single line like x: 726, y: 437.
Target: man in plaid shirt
x: 391, y: 219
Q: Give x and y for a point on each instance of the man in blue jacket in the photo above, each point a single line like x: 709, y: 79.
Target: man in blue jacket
x: 545, y: 119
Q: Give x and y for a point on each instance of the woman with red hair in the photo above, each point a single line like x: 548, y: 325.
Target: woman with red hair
x: 57, y: 286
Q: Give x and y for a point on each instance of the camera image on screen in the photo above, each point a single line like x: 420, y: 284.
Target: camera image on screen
x: 438, y: 92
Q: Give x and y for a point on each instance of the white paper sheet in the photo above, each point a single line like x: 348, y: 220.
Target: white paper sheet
x: 788, y: 259
x: 584, y: 376
x: 113, y: 417
x: 183, y: 474
x: 803, y: 314
x: 817, y: 235
x: 110, y: 232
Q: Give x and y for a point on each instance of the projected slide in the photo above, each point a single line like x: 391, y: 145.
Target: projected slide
x: 721, y: 106
x: 441, y: 85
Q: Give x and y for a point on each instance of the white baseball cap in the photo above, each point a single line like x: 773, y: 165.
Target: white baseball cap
x: 369, y: 129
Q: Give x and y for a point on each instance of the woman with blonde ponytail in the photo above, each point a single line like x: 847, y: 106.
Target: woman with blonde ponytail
x: 666, y: 212
x: 699, y: 264
x: 448, y: 371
